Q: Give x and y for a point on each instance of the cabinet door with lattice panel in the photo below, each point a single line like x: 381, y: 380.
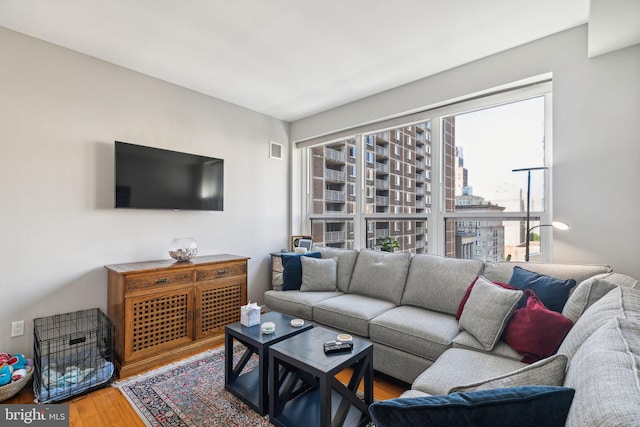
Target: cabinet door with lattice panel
x: 218, y: 304
x: 157, y: 322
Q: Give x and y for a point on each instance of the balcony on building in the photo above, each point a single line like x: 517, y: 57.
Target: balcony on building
x: 335, y: 175
x: 332, y: 155
x: 382, y: 184
x: 382, y: 167
x: 382, y: 200
x: 335, y: 196
x: 382, y: 151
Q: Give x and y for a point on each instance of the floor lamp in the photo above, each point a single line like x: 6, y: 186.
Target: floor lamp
x: 528, y: 170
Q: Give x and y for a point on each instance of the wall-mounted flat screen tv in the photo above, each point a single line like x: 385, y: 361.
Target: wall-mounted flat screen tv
x: 153, y: 178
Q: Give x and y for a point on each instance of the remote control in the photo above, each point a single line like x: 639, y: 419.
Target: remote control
x: 337, y: 347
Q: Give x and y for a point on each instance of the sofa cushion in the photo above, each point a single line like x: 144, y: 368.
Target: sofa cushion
x: 585, y: 294
x: 438, y: 283
x: 380, y: 275
x: 413, y: 393
x: 622, y: 280
x: 350, y: 313
x: 398, y: 364
x: 421, y: 332
x: 458, y: 366
x: 591, y: 290
x: 296, y: 303
x: 549, y: 371
x: 502, y: 271
x: 346, y: 261
x: 292, y: 270
x: 605, y: 372
x: 487, y: 311
x: 464, y: 299
x: 552, y: 292
x: 535, y: 331
x: 619, y: 302
x: 517, y: 406
x: 465, y: 340
x: 319, y: 274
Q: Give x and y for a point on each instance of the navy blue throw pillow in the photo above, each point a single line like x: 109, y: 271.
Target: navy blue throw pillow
x: 515, y: 406
x: 553, y: 292
x: 292, y: 272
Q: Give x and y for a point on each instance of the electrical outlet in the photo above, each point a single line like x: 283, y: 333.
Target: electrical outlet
x: 17, y: 328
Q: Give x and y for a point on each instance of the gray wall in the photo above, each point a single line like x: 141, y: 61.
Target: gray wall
x: 60, y: 112
x: 596, y: 135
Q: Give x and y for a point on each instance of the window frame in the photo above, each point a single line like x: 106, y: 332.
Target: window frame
x: 435, y: 216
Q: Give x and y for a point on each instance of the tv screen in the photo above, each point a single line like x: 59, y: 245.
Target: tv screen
x: 153, y: 178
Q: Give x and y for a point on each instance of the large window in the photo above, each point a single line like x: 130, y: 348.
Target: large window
x: 448, y: 183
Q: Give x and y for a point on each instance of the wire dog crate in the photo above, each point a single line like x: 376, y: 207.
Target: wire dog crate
x: 73, y: 354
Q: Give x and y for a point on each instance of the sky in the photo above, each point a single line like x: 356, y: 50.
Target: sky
x: 497, y: 140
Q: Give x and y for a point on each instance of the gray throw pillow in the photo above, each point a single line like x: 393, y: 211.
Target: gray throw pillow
x: 319, y: 274
x: 549, y: 371
x: 488, y: 311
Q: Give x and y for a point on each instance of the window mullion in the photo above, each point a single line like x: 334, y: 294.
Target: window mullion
x: 359, y: 223
x: 435, y: 220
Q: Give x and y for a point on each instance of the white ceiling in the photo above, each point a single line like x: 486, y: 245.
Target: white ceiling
x: 290, y: 58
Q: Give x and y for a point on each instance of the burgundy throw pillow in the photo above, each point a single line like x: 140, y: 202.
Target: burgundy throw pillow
x: 535, y: 331
x: 464, y: 299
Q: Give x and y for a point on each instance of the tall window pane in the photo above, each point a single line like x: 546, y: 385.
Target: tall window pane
x: 397, y: 183
x: 482, y: 148
x: 333, y: 191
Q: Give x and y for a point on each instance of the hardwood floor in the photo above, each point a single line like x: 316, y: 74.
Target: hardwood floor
x: 107, y: 407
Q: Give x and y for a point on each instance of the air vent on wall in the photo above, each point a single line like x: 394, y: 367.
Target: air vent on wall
x: 275, y: 150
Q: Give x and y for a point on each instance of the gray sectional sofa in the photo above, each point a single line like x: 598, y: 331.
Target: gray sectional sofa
x: 406, y: 305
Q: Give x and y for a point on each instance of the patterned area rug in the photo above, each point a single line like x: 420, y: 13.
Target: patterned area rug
x: 190, y: 393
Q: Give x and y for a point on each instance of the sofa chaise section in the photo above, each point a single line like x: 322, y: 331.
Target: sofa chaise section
x: 599, y: 359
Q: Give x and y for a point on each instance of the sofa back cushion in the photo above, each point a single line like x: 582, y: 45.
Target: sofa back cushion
x: 584, y: 295
x: 379, y: 274
x: 502, y: 271
x: 438, y: 283
x: 346, y: 261
x: 619, y: 302
x: 604, y: 372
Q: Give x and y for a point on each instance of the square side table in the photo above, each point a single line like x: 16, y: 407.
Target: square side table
x: 252, y: 387
x: 303, y: 389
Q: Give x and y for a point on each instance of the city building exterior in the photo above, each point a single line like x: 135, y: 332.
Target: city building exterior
x: 397, y: 181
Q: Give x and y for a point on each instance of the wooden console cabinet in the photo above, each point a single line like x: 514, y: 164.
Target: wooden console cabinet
x: 165, y: 310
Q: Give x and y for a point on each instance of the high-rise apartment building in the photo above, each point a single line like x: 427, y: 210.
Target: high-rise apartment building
x: 397, y: 180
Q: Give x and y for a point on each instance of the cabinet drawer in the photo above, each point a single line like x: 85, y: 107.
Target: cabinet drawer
x: 221, y: 270
x: 156, y: 280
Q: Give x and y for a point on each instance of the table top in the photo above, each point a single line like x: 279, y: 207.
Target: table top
x: 148, y: 266
x: 255, y: 335
x: 307, y: 348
